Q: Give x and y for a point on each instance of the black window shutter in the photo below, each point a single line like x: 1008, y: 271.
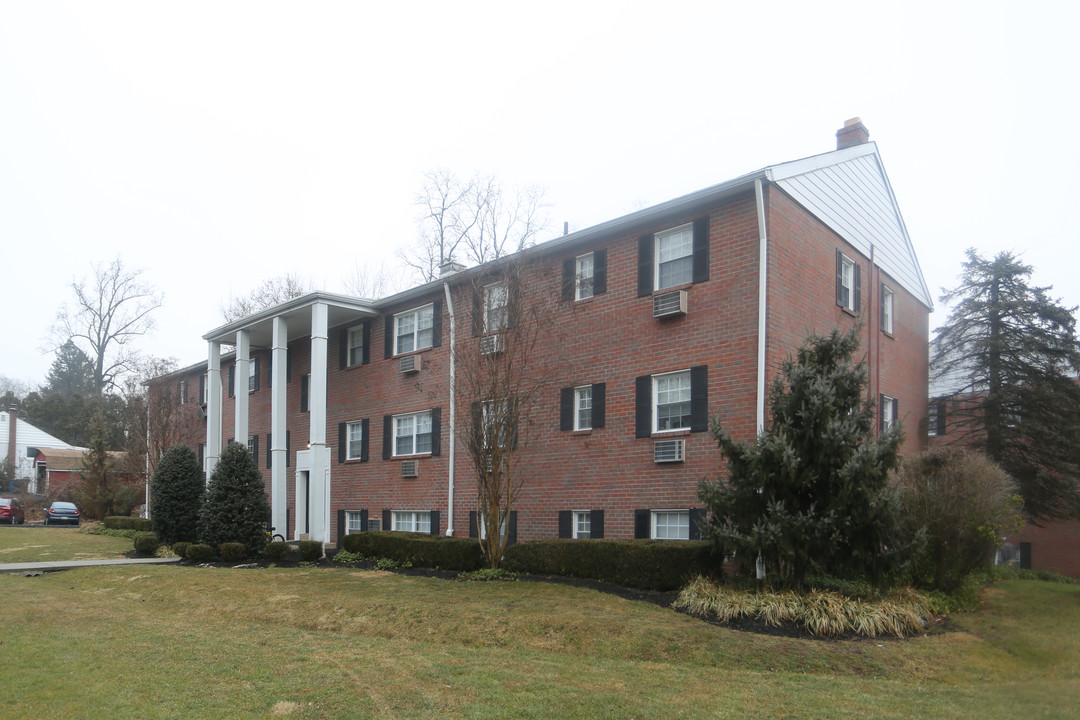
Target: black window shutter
x: 340, y: 526
x: 180, y: 391
x: 255, y: 449
x: 365, y: 355
x: 565, y: 520
x: 941, y: 418
x: 514, y: 428
x: 232, y: 380
x: 840, y: 278
x: 342, y: 442
x: 645, y: 265
x: 599, y: 404
x: 387, y: 524
x: 511, y: 528
x: 569, y: 271
x: 701, y: 249
x: 1025, y: 556
x: 388, y: 337
x: 643, y: 405
x: 436, y: 323
x: 599, y: 269
x: 202, y: 389
x: 343, y: 348
x: 697, y: 522
x: 364, y: 440
x: 596, y: 524
x: 699, y: 398
x: 473, y: 528
x: 477, y: 313
x: 387, y: 439
x: 364, y: 520
x: 269, y: 452
x: 642, y: 524
x: 436, y: 431
x: 256, y: 361
x: 288, y: 367
x: 288, y: 447
x: 304, y: 379
x: 269, y: 371
x: 881, y: 413
x: 566, y: 408
x: 857, y: 290
x: 434, y: 515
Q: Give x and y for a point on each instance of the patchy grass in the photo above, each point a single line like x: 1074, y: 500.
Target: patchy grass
x: 47, y: 544
x: 185, y: 642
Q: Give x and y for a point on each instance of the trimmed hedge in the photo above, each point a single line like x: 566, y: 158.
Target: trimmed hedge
x: 199, y: 553
x: 180, y: 548
x: 435, y: 551
x: 311, y: 550
x: 146, y: 544
x: 124, y: 522
x: 647, y: 564
x: 232, y: 551
x: 277, y: 550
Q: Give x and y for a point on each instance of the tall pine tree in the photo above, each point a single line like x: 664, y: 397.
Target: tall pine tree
x: 1009, y: 357
x: 235, y: 509
x: 812, y: 493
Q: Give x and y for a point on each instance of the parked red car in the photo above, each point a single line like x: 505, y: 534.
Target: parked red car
x: 11, y: 511
x: 62, y: 512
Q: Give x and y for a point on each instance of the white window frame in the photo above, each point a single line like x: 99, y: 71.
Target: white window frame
x: 847, y: 281
x: 355, y: 353
x: 661, y: 239
x: 353, y: 522
x: 583, y: 403
x: 489, y: 416
x: 411, y: 521
x: 888, y: 405
x: 351, y: 442
x: 251, y: 375
x: 888, y: 305
x: 496, y: 306
x: 481, y: 526
x: 183, y: 392
x: 422, y: 333
x: 657, y: 380
x: 581, y: 524
x: 584, y: 276
x: 932, y: 419
x: 205, y: 388
x: 252, y: 439
x: 666, y: 527
x: 414, y: 422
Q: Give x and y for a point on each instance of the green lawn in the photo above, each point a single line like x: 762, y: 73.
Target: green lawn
x: 21, y: 544
x: 183, y: 642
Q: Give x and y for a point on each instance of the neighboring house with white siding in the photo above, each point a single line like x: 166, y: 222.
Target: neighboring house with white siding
x: 20, y: 443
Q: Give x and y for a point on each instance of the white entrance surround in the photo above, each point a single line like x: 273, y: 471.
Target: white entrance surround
x: 312, y: 496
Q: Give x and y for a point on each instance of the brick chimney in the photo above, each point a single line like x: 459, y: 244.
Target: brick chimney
x: 12, y: 412
x: 853, y: 133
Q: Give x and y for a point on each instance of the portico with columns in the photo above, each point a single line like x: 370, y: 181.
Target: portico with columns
x: 309, y: 316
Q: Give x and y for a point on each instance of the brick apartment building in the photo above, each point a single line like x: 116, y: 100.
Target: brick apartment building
x: 665, y: 318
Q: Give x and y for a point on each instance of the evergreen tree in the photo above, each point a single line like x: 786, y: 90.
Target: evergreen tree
x: 811, y: 494
x: 103, y: 490
x: 176, y: 495
x: 235, y: 509
x: 1010, y: 357
x: 71, y: 373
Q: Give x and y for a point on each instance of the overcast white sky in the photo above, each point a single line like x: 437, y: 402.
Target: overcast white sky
x: 216, y: 144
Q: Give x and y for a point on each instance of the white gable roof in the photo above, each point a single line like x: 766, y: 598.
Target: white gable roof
x: 849, y: 191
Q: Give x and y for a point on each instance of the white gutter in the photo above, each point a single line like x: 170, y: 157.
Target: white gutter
x: 146, y: 505
x: 453, y: 413
x: 763, y: 266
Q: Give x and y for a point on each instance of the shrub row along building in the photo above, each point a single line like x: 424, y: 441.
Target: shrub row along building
x: 652, y: 325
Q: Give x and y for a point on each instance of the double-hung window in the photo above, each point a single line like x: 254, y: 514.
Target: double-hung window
x: 253, y: 374
x: 888, y: 301
x: 675, y: 257
x: 495, y: 423
x: 671, y: 525
x: 583, y: 277
x: 354, y: 522
x: 847, y: 283
x: 182, y: 391
x: 583, y: 404
x: 889, y: 410
x: 419, y: 522
x: 496, y: 301
x: 671, y: 399
x: 356, y: 345
x: 582, y: 525
x: 412, y: 434
x: 936, y: 423
x: 355, y: 440
x: 413, y: 330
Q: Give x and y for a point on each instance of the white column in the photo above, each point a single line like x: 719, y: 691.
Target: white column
x: 278, y: 428
x: 318, y: 478
x: 240, y: 386
x: 213, y: 409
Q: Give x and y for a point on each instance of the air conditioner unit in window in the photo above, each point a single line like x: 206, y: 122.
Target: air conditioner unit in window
x: 669, y: 451
x: 409, y: 469
x: 672, y: 304
x: 410, y: 364
x: 491, y: 344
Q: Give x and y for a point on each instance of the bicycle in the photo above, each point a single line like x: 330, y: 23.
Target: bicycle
x: 271, y: 536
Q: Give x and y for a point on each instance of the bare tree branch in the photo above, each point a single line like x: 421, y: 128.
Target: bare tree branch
x: 270, y: 292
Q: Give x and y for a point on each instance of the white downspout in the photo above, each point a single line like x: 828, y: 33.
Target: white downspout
x: 146, y: 505
x: 453, y: 413
x: 763, y: 266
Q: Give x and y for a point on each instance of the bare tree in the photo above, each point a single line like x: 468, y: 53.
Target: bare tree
x: 369, y: 281
x: 471, y: 221
x: 502, y: 373
x: 112, y: 310
x: 157, y: 419
x: 269, y: 292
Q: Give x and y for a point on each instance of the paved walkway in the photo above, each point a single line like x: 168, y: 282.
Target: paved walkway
x: 40, y: 567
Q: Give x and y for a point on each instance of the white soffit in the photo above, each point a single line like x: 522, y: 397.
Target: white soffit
x: 849, y: 191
